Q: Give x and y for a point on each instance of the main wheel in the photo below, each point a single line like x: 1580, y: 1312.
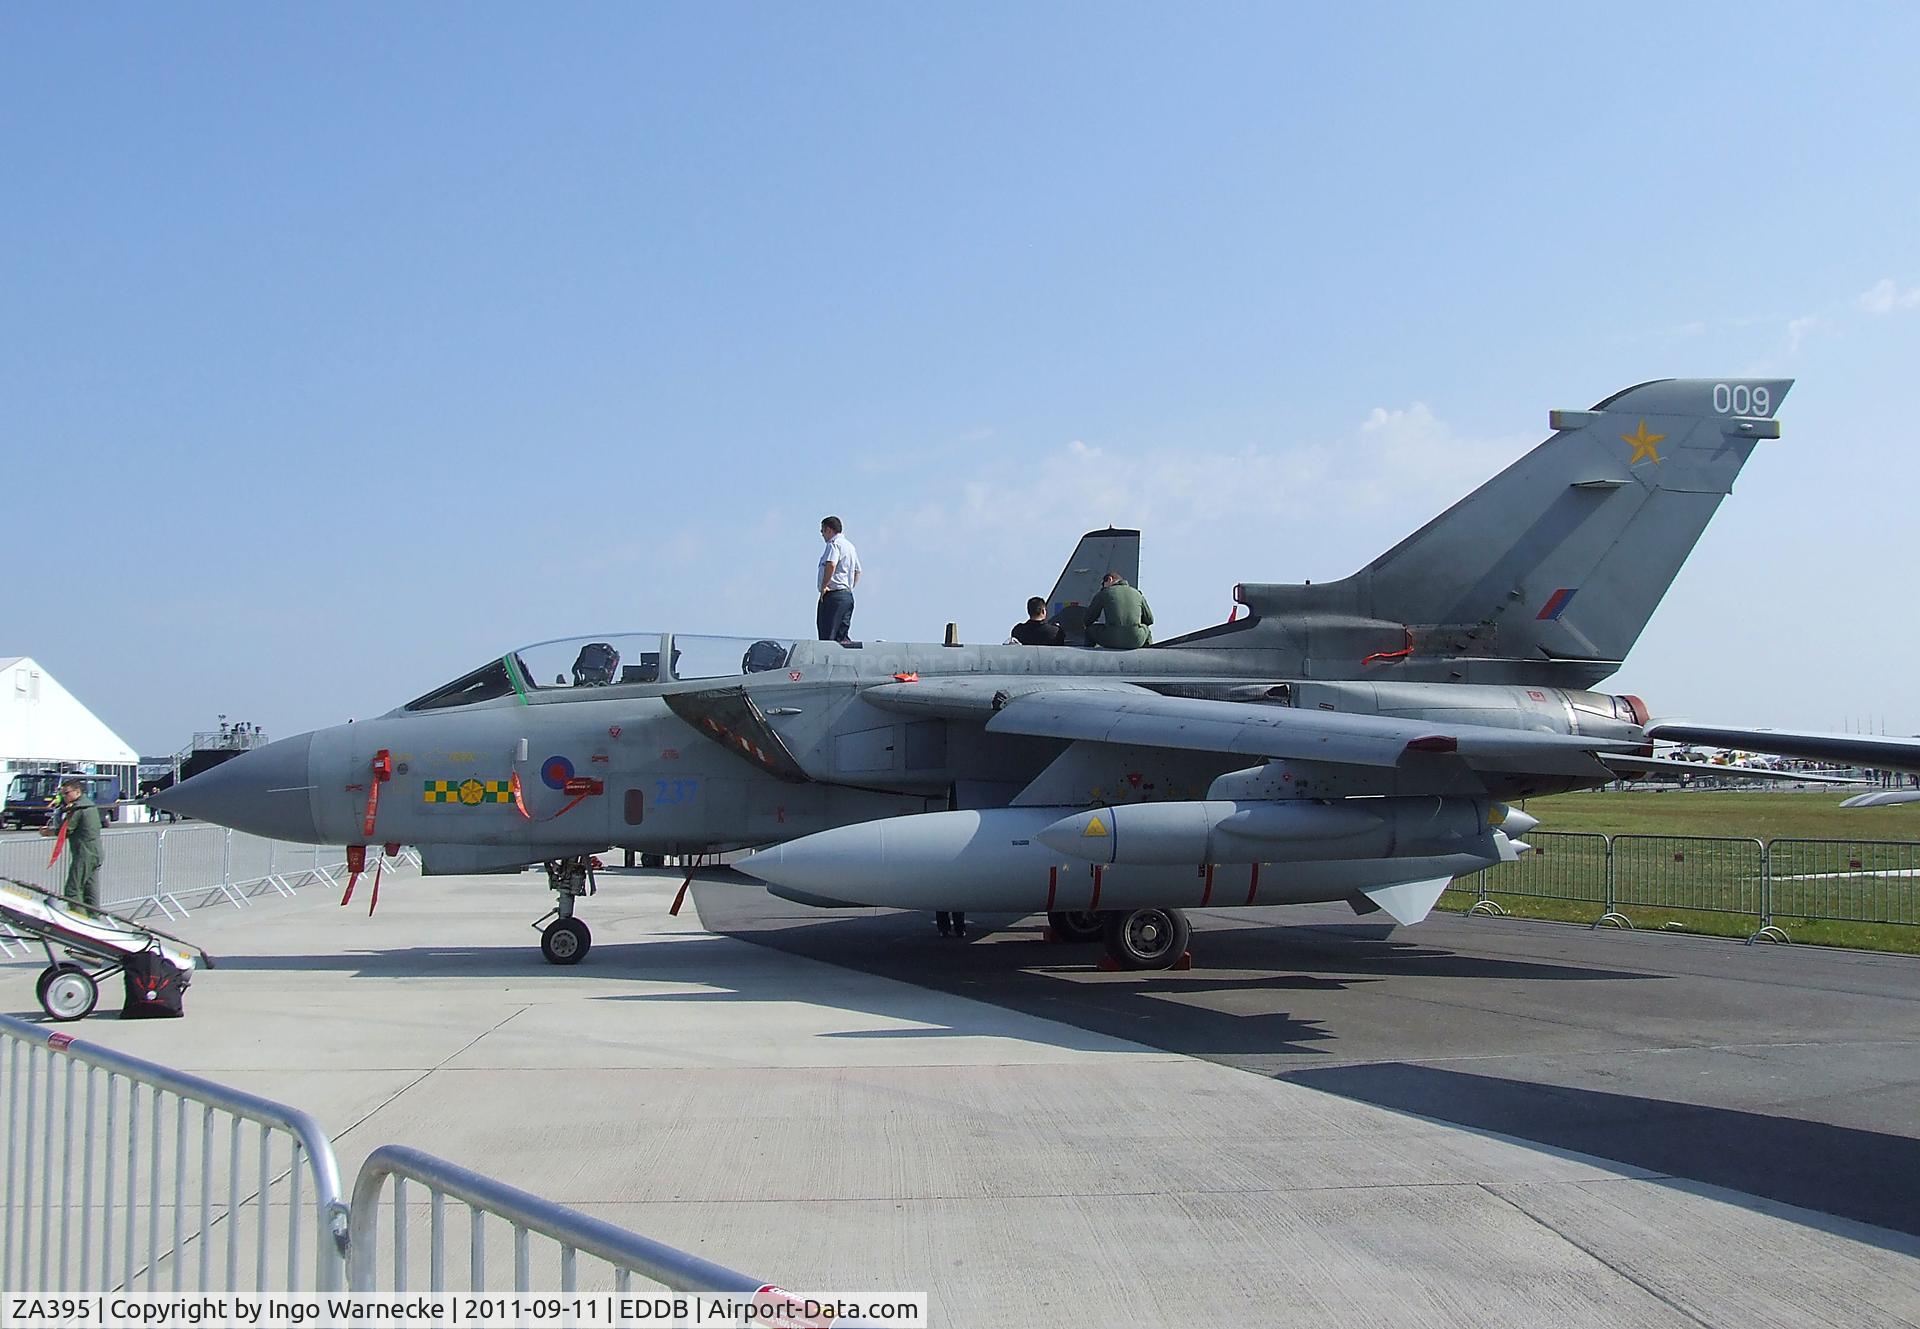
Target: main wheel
x: 1147, y: 938
x: 1078, y: 925
x: 653, y: 860
x: 565, y: 941
x: 69, y: 994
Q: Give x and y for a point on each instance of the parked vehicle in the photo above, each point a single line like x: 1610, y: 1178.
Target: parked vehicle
x: 30, y: 796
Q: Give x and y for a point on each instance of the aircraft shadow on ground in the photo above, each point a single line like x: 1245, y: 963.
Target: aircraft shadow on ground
x: 1868, y: 1176
x: 1007, y: 962
x: 715, y: 969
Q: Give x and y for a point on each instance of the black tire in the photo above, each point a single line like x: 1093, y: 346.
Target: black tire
x: 565, y: 941
x: 1081, y: 925
x: 653, y: 860
x: 70, y: 993
x: 1147, y: 938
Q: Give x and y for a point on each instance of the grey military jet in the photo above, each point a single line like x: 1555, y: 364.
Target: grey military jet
x: 1358, y: 740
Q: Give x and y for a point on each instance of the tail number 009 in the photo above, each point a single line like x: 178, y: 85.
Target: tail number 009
x: 1742, y: 399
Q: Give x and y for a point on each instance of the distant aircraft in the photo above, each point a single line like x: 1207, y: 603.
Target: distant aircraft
x: 1356, y: 741
x: 1872, y: 751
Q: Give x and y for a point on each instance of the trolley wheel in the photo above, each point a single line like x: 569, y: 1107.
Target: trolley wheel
x: 1147, y: 938
x: 1077, y: 925
x: 565, y: 941
x: 69, y: 993
x: 47, y: 976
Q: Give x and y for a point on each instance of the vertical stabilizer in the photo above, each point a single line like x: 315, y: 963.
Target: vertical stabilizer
x: 1097, y: 554
x: 1564, y: 555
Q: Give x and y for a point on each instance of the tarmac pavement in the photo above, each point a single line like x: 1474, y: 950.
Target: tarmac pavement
x: 859, y: 1107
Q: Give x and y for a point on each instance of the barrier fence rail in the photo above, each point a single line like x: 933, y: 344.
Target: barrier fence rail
x: 120, y: 1172
x: 1768, y: 883
x: 123, y: 1175
x: 175, y: 868
x: 569, y: 1234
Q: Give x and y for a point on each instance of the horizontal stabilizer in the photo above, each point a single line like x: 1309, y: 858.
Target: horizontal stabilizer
x: 1883, y: 798
x: 1410, y: 901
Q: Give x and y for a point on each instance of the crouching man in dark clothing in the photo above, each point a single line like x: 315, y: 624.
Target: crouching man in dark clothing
x: 1037, y: 630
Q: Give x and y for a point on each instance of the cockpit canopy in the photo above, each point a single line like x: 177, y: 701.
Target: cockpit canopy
x: 609, y: 661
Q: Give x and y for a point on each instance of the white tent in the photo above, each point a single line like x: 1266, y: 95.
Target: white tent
x: 42, y: 724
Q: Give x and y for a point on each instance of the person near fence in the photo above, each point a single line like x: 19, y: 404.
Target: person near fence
x: 78, y: 826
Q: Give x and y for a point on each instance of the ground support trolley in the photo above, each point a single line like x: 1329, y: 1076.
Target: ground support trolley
x: 97, y: 945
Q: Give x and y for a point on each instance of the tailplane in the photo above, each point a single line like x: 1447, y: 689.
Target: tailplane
x: 1550, y: 570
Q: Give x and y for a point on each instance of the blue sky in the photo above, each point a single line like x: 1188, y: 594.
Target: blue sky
x: 361, y: 342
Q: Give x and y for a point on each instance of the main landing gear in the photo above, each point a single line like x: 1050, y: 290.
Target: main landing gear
x: 1153, y: 938
x: 566, y: 939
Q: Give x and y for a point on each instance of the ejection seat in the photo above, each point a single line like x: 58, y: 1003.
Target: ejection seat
x: 596, y: 665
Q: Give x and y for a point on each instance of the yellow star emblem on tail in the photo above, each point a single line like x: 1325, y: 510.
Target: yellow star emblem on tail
x: 1642, y: 443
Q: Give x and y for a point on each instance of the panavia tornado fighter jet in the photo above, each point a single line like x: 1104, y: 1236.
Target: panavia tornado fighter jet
x: 1358, y: 740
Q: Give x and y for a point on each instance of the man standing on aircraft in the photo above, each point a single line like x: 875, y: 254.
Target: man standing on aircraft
x: 1118, y: 617
x: 79, y: 827
x: 839, y: 574
x: 1036, y: 630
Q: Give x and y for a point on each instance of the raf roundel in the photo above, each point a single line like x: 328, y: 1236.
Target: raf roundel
x: 555, y: 772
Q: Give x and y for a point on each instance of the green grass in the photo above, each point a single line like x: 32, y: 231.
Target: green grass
x: 1767, y: 816
x: 1721, y: 880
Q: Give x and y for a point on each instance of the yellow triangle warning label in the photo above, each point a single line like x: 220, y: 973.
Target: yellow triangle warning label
x: 1095, y: 826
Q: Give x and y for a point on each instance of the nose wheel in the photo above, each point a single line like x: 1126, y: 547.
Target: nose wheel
x: 565, y: 939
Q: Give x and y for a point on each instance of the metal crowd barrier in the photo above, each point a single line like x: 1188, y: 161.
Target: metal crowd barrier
x: 1764, y: 882
x: 1847, y: 881
x: 96, y: 1198
x: 1564, y: 865
x: 161, y: 868
x: 1700, y: 873
x: 124, y: 1175
x: 521, y: 1216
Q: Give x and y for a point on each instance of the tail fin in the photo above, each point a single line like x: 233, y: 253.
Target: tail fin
x: 1097, y: 554
x: 1564, y: 555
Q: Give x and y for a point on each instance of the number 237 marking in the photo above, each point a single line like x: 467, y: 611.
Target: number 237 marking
x: 668, y: 792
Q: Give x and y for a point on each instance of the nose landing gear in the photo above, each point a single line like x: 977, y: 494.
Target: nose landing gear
x: 566, y: 939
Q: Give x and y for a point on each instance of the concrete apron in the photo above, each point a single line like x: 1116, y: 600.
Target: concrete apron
x: 843, y: 1134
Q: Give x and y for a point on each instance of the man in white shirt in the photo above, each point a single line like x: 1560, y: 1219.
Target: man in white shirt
x: 839, y: 574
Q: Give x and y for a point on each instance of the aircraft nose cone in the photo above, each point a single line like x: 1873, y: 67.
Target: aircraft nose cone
x: 267, y: 791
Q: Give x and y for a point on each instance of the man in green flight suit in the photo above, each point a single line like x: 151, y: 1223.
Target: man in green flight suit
x: 82, y: 820
x: 1118, y: 616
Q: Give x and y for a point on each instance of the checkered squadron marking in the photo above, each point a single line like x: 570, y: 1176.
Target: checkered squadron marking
x: 467, y: 793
